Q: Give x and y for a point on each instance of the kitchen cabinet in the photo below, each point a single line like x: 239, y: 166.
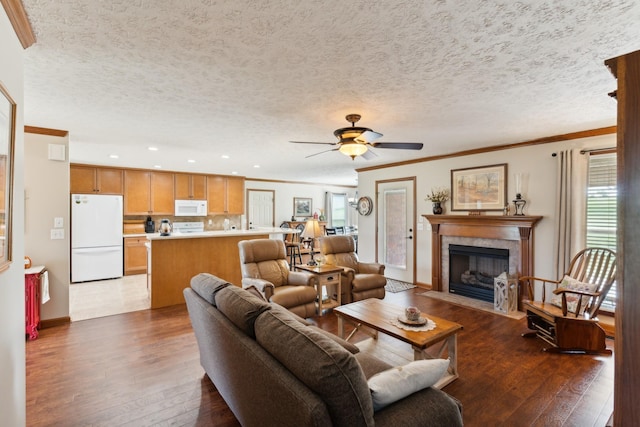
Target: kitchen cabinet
x: 225, y: 194
x: 135, y: 255
x: 188, y: 186
x: 92, y: 180
x: 148, y: 192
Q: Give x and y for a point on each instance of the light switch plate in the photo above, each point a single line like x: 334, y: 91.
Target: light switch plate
x: 58, y: 222
x: 57, y: 233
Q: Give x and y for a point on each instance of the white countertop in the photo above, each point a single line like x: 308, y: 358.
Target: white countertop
x: 218, y: 233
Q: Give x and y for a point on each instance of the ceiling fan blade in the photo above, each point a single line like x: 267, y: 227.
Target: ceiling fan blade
x: 369, y: 154
x: 321, y: 152
x: 368, y: 136
x: 399, y: 145
x: 311, y: 142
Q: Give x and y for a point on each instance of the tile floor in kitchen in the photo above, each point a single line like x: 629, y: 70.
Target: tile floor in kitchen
x: 101, y: 298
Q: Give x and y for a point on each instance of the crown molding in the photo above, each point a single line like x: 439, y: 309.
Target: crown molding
x: 20, y: 22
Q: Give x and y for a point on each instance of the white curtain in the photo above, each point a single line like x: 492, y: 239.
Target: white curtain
x: 570, y: 214
x: 328, y: 207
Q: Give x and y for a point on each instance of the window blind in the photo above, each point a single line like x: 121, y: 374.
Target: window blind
x: 602, y: 208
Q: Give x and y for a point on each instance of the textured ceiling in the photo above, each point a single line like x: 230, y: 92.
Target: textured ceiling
x: 202, y: 79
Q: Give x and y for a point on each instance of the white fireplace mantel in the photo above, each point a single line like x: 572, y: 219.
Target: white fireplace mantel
x: 518, y: 228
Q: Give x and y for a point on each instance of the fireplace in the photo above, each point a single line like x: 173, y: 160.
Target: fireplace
x: 514, y: 233
x: 472, y: 270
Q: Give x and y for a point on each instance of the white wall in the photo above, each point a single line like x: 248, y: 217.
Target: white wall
x: 46, y: 189
x: 12, y: 336
x: 540, y: 193
x: 285, y: 192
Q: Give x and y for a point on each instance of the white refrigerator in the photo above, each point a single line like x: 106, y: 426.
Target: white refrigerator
x: 96, y: 237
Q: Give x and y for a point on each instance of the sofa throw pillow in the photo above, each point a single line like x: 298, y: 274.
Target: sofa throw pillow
x: 321, y: 364
x: 397, y: 383
x: 207, y: 285
x: 572, y: 299
x: 241, y: 308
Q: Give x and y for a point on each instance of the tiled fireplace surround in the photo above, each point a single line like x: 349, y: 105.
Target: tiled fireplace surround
x: 515, y: 233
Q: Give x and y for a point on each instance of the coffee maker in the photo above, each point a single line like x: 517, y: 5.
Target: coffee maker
x: 149, y: 225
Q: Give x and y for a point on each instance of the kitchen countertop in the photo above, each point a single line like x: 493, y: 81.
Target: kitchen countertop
x: 218, y: 233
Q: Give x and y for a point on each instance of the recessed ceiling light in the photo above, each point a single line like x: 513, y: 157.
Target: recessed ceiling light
x: 191, y: 161
x: 224, y: 156
x: 157, y: 166
x: 234, y: 173
x: 114, y: 156
x: 152, y: 148
x: 256, y: 166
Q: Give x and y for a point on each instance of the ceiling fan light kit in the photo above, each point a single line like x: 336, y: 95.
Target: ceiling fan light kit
x: 355, y: 141
x: 353, y: 149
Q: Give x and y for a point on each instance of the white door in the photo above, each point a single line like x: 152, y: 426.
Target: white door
x: 396, y: 225
x: 260, y: 208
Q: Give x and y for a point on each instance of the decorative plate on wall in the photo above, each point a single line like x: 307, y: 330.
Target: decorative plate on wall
x: 365, y: 205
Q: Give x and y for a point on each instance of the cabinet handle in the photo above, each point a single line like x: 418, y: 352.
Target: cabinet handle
x: 330, y: 278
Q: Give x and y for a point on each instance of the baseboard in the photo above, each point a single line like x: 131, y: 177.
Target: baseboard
x: 50, y: 323
x: 423, y: 285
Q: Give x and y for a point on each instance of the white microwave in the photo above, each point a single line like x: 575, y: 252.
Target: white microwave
x: 191, y: 208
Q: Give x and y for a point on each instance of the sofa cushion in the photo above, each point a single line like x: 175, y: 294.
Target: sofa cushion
x: 240, y: 307
x: 351, y: 348
x: 397, y: 383
x: 323, y: 365
x: 207, y: 285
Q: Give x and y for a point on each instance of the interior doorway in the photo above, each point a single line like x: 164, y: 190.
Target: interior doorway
x: 395, y: 228
x: 260, y: 208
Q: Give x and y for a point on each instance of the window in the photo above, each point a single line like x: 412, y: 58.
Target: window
x: 602, y: 208
x: 338, y: 210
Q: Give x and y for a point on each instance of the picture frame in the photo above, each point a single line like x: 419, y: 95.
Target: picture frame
x: 7, y: 142
x: 302, y: 206
x: 481, y: 188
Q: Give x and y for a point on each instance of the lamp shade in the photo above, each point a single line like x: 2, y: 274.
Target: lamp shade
x: 312, y: 229
x: 353, y: 149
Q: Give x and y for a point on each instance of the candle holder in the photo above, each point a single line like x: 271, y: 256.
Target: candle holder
x: 519, y: 203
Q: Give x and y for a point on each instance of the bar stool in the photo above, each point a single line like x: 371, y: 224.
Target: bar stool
x: 292, y: 246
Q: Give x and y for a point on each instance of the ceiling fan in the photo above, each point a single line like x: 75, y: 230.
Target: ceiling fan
x: 355, y: 141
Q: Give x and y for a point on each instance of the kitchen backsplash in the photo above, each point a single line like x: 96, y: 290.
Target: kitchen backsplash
x: 211, y: 223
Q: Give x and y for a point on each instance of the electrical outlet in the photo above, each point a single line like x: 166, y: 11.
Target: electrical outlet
x: 57, y: 234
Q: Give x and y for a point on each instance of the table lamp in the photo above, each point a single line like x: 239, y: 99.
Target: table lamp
x: 311, y: 231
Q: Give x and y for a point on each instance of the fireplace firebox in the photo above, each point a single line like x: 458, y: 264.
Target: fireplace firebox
x: 472, y: 270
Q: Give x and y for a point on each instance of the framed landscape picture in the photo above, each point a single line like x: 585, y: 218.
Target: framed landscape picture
x: 302, y: 206
x: 479, y: 188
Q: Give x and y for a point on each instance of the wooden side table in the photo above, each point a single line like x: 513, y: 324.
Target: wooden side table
x: 327, y: 275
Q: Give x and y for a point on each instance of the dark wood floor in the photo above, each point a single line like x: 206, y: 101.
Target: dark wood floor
x: 143, y: 368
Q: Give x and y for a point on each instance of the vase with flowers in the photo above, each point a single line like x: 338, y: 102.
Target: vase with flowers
x: 437, y: 197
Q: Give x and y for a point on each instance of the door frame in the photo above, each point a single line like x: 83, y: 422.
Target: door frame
x: 411, y: 179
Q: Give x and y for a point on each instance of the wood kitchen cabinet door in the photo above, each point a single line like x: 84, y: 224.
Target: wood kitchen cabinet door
x: 148, y: 193
x: 137, y: 192
x: 162, y: 201
x: 189, y: 186
x: 216, y: 194
x: 135, y: 255
x: 225, y: 194
x: 95, y: 180
x: 235, y: 195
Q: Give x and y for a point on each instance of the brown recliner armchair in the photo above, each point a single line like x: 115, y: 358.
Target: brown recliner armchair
x: 263, y: 263
x: 360, y: 280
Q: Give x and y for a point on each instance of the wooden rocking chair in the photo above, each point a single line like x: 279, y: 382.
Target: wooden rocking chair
x: 568, y: 319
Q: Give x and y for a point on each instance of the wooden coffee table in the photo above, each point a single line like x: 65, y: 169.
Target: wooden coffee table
x: 376, y: 315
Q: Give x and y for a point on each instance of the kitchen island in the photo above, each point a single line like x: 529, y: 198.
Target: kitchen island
x: 173, y: 260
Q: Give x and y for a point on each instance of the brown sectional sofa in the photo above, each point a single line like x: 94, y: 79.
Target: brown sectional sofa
x: 275, y: 369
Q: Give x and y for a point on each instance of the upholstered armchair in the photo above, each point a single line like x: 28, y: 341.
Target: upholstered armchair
x: 263, y: 263
x: 360, y: 280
